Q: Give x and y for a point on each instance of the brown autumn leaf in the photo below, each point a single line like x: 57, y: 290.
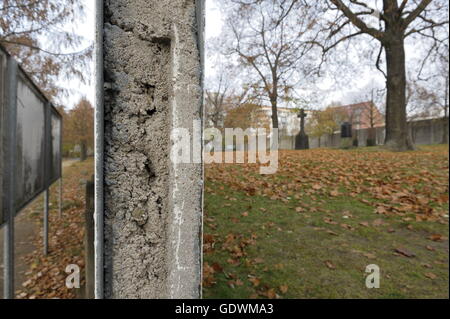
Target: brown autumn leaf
x: 381, y: 210
x: 232, y: 261
x: 369, y: 255
x: 365, y: 224
x: 346, y: 226
x: 404, y: 252
x: 329, y: 221
x: 436, y: 237
x: 334, y: 193
x: 271, y: 294
x: 330, y: 265
x: 378, y: 222
x: 279, y: 266
x: 284, y: 288
x: 255, y: 281
x: 443, y: 198
x: 217, y: 267
x: 430, y: 275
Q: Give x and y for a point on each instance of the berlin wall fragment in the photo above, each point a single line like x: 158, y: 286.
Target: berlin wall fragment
x: 152, y: 61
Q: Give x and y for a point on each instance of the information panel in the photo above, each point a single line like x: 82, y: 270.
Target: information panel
x: 56, y: 160
x: 36, y: 144
x: 30, y: 144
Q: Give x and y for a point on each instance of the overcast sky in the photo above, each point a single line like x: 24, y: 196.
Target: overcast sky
x: 214, y: 24
x: 86, y: 29
x: 367, y: 79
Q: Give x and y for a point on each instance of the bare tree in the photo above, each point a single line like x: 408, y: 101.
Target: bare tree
x: 269, y: 38
x: 35, y: 32
x: 223, y: 94
x: 395, y: 22
x: 215, y: 102
x: 434, y: 89
x: 373, y: 117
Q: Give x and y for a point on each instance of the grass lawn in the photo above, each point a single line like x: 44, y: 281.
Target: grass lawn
x: 310, y: 230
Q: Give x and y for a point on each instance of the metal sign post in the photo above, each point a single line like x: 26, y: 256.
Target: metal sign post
x: 9, y: 179
x: 45, y: 235
x: 99, y: 140
x: 60, y: 197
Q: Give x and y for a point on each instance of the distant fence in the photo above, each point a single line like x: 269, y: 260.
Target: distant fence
x: 430, y: 131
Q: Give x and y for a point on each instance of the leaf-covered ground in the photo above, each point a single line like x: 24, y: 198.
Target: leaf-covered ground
x: 46, y: 275
x: 310, y: 230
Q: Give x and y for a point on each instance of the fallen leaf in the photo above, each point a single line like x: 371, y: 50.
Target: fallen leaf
x: 370, y: 256
x: 334, y: 193
x: 330, y: 265
x: 404, y: 252
x: 346, y: 226
x: 284, y: 288
x: 365, y: 224
x: 378, y: 222
x: 255, y: 281
x: 217, y: 267
x: 430, y: 275
x: 271, y: 294
x: 436, y: 237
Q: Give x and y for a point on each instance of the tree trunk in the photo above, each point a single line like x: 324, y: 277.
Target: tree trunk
x: 273, y: 102
x: 83, y: 151
x: 445, y: 126
x: 397, y: 137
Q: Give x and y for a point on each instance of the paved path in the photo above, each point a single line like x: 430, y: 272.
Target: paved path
x: 25, y: 230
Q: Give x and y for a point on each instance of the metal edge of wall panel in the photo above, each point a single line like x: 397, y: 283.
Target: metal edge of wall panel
x: 2, y: 102
x: 28, y: 79
x: 21, y: 74
x: 99, y: 138
x: 200, y: 16
x: 9, y: 178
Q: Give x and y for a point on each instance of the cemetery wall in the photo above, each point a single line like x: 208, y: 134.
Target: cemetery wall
x: 152, y: 53
x: 428, y: 131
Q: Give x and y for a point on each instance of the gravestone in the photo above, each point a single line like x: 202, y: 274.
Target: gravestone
x: 346, y: 135
x: 302, y: 139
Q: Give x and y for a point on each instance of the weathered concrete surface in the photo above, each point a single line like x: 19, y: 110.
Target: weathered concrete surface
x: 152, y: 221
